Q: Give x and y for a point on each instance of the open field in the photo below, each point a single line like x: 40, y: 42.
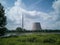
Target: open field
x: 32, y: 39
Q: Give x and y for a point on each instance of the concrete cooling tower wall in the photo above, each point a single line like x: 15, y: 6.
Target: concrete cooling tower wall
x: 36, y: 26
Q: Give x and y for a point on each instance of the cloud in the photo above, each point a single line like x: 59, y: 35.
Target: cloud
x: 15, y: 14
x: 47, y: 20
x: 55, y: 15
x: 56, y: 6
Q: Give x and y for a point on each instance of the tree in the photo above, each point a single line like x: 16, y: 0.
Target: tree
x: 19, y: 29
x: 2, y: 20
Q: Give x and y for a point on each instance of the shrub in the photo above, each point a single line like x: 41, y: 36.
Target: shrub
x: 49, y: 40
x: 33, y: 39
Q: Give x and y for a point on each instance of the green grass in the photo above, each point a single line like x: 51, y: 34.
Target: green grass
x: 32, y: 39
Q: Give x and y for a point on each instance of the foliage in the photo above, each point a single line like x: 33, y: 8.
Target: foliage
x: 2, y: 20
x: 3, y: 30
x: 19, y: 29
x: 32, y: 39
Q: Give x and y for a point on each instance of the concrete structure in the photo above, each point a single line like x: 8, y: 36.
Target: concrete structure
x: 36, y: 26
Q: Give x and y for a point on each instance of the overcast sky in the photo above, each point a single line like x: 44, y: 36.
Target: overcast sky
x: 47, y: 12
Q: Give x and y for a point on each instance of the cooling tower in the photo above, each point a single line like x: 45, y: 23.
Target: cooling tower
x: 36, y: 26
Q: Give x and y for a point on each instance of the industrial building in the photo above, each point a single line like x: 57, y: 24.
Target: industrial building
x: 36, y: 26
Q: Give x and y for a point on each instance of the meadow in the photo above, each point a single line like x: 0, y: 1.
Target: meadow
x: 31, y: 39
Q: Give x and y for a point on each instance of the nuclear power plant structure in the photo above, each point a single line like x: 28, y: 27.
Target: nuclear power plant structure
x: 36, y: 26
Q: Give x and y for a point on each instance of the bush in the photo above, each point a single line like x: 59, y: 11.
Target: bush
x: 49, y: 40
x: 33, y: 39
x: 3, y: 31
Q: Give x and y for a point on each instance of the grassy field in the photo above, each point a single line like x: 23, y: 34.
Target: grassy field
x: 32, y: 39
